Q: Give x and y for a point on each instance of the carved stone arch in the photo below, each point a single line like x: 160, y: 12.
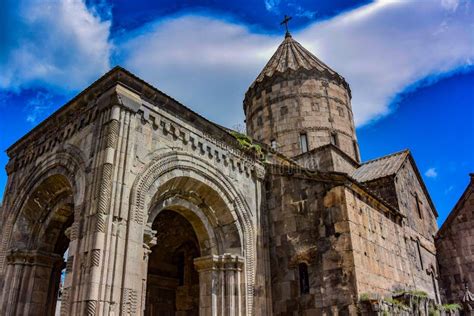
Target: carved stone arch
x: 35, y: 232
x: 197, y: 218
x: 181, y: 163
x: 69, y: 163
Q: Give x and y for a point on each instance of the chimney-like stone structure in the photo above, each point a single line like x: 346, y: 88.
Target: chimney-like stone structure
x: 297, y: 104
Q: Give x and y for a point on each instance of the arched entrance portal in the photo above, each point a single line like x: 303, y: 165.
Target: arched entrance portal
x: 37, y: 246
x: 221, y: 220
x: 172, y: 280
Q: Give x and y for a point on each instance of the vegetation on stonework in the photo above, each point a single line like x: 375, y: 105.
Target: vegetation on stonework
x: 414, y: 293
x: 364, y: 297
x: 248, y: 144
x: 433, y: 312
x: 451, y: 307
x: 395, y: 302
x: 448, y: 308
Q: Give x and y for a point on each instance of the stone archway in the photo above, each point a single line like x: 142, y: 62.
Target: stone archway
x: 172, y: 280
x: 37, y: 245
x: 220, y: 218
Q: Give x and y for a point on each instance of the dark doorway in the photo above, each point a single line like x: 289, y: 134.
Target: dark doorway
x: 173, y: 282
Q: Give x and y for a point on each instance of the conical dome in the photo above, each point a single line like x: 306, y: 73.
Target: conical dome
x: 291, y: 58
x: 291, y: 55
x: 297, y: 103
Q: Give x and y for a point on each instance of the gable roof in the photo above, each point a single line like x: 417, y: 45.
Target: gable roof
x: 389, y: 166
x: 329, y: 146
x: 380, y: 167
x: 458, y: 207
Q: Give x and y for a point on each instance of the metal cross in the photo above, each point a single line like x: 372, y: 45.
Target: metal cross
x: 285, y: 21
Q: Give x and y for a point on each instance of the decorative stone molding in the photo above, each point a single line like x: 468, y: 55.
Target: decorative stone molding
x: 33, y: 257
x: 49, y: 139
x: 129, y: 302
x: 226, y: 261
x: 91, y: 307
x: 222, y: 287
x: 186, y: 163
x: 149, y: 240
x: 204, y: 144
x: 259, y: 171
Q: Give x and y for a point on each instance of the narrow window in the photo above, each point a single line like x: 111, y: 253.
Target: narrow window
x: 283, y: 110
x: 418, y: 206
x: 419, y: 253
x: 259, y: 121
x: 273, y: 144
x: 303, y: 143
x: 304, y: 278
x: 435, y: 286
x: 334, y: 139
x: 341, y: 111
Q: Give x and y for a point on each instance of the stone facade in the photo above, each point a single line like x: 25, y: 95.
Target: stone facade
x: 150, y: 209
x: 94, y: 178
x: 455, y: 246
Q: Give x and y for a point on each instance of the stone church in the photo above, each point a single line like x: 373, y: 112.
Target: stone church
x: 126, y: 202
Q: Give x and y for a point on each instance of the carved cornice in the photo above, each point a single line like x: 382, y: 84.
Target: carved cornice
x: 203, y: 144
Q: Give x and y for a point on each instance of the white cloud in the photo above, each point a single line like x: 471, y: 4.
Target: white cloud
x: 272, y: 6
x: 206, y: 63
x: 38, y: 106
x: 450, y: 4
x: 431, y: 173
x: 59, y: 44
x: 385, y: 47
x: 381, y: 49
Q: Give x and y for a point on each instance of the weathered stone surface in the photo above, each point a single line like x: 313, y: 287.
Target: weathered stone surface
x: 455, y: 249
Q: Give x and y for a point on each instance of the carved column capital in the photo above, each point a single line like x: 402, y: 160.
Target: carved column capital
x: 259, y: 171
x: 214, y: 262
x: 149, y: 239
x: 34, y: 257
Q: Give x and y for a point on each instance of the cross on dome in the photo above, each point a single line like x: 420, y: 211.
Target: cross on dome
x: 285, y: 21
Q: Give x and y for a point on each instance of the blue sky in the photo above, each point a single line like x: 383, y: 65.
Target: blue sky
x: 409, y: 64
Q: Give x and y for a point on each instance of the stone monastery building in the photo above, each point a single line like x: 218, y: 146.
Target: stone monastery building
x: 158, y: 211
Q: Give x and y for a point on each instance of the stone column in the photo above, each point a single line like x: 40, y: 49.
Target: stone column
x: 149, y: 240
x: 221, y: 286
x: 31, y: 283
x: 98, y: 245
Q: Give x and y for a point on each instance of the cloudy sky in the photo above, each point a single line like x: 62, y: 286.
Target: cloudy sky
x: 410, y: 64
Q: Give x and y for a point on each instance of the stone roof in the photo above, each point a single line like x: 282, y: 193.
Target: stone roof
x: 291, y: 55
x: 380, y: 167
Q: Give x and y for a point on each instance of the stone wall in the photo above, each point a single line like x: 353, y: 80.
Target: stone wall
x: 298, y: 104
x: 387, y: 258
x: 455, y: 248
x: 352, y: 240
x: 308, y: 225
x: 409, y: 189
x: 381, y: 261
